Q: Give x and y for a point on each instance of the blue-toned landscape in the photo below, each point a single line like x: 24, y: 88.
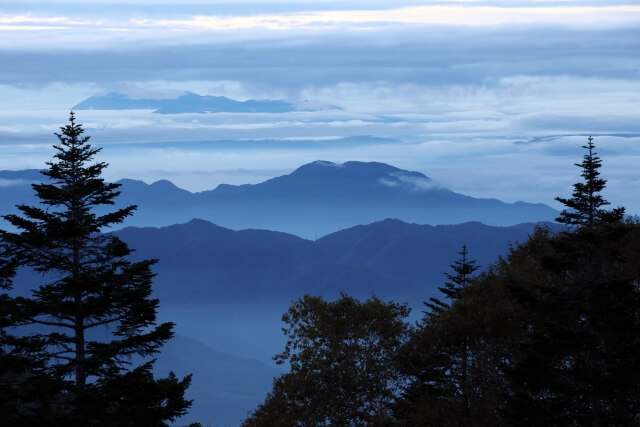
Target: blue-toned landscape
x: 227, y: 288
x: 319, y: 213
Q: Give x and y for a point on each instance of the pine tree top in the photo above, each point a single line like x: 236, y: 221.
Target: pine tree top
x: 74, y: 191
x: 585, y: 207
x: 462, y: 277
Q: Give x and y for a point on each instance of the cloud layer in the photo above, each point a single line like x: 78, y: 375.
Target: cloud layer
x: 492, y: 98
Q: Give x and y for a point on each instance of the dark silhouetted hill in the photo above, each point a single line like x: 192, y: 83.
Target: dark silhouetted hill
x: 201, y: 263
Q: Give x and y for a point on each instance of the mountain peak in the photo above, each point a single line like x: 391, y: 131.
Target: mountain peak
x: 316, y: 199
x: 367, y: 173
x: 352, y: 166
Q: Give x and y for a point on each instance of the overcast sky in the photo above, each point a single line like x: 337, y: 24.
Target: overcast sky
x: 490, y: 98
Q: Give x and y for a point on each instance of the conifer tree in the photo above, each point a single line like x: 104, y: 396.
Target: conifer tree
x: 442, y: 357
x: 585, y: 207
x: 93, y: 314
x: 577, y: 363
x: 455, y: 284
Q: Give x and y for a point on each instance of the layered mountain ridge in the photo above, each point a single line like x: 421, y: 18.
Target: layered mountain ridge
x: 314, y: 200
x: 227, y: 285
x: 201, y: 263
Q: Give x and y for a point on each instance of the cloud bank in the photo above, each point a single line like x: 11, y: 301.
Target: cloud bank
x: 491, y: 98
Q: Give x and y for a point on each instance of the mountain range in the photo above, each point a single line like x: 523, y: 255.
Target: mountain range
x: 316, y: 199
x: 190, y: 102
x: 201, y: 263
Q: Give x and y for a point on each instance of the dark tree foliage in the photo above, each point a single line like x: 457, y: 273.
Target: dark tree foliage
x: 93, y: 320
x: 447, y: 360
x: 581, y: 363
x: 27, y: 395
x: 578, y: 358
x: 552, y: 331
x: 342, y: 369
x: 585, y: 207
x: 17, y: 389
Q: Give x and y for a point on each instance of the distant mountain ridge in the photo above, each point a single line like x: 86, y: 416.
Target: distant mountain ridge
x: 191, y: 102
x: 323, y: 197
x: 202, y: 263
x: 316, y: 199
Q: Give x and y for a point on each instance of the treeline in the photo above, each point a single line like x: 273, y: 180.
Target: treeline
x: 549, y: 335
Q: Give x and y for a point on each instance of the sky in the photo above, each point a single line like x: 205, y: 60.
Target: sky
x: 489, y: 98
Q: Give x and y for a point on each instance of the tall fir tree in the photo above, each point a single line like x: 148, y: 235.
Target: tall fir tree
x: 585, y: 207
x: 442, y: 358
x: 551, y: 332
x: 93, y: 321
x: 577, y: 363
x: 462, y: 278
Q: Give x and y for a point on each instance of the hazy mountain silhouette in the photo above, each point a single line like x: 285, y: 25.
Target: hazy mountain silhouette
x: 202, y: 263
x: 316, y: 199
x: 322, y: 197
x: 187, y: 103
